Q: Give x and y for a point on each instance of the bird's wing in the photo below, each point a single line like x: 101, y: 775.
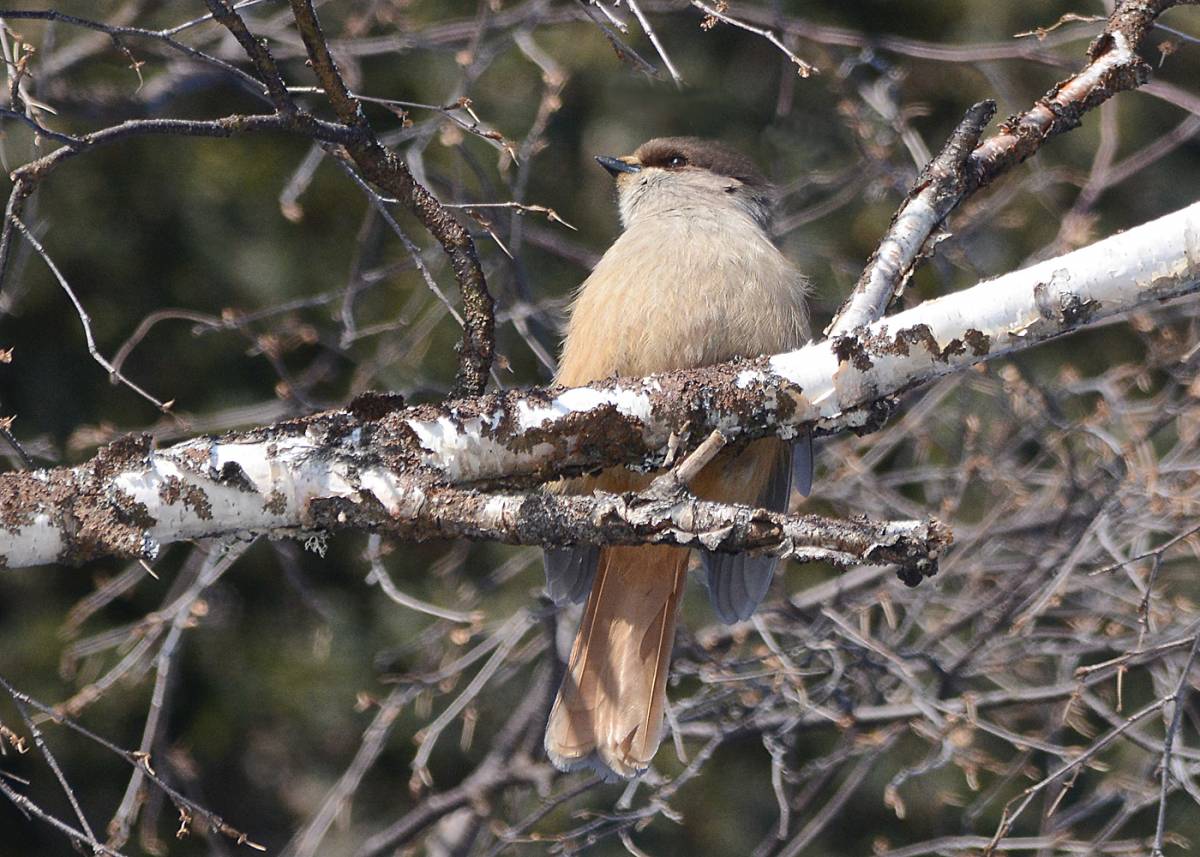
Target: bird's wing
x: 737, y: 582
x: 802, y: 466
x: 570, y: 572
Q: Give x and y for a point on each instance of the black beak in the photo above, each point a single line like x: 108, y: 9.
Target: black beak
x: 616, y: 165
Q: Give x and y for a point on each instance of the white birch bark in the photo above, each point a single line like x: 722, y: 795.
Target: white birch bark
x: 130, y: 499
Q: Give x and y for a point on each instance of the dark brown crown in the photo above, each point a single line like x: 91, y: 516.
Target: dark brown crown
x: 678, y: 152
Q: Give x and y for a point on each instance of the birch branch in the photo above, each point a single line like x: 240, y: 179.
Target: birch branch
x: 957, y: 172
x: 394, y: 460
x: 939, y: 188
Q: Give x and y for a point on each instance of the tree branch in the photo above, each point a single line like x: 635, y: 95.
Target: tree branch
x: 224, y: 14
x: 649, y: 517
x: 378, y: 164
x: 391, y: 465
x: 939, y: 188
x: 950, y: 178
x: 381, y: 167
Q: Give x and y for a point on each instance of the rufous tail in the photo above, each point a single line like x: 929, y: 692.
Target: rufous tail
x: 609, y: 711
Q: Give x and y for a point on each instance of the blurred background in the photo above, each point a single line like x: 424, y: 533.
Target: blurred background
x: 251, y: 279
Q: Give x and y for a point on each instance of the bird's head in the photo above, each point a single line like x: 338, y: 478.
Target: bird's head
x: 681, y: 175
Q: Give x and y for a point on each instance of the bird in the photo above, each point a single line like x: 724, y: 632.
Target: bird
x: 693, y: 279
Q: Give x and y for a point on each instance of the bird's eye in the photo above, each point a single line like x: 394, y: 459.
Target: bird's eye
x: 676, y: 161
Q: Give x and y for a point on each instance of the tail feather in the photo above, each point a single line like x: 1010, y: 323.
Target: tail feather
x: 609, y: 711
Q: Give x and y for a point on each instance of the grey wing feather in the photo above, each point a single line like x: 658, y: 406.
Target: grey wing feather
x: 738, y: 582
x: 569, y: 572
x: 802, y: 466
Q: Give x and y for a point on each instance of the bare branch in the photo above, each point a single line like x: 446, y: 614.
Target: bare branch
x: 620, y: 48
x: 653, y: 37
x: 938, y: 189
x: 223, y: 12
x: 86, y: 321
x: 1114, y: 66
x: 381, y: 167
x: 803, y: 67
x: 1172, y: 734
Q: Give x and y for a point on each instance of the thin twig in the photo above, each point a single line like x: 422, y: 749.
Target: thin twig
x: 1178, y: 697
x: 623, y: 51
x: 507, y: 636
x: 29, y: 808
x: 86, y: 321
x: 379, y: 575
x: 215, y: 821
x: 39, y: 741
x: 309, y: 838
x: 653, y: 37
x: 803, y: 67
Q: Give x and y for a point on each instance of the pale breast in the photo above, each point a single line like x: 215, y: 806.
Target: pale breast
x: 683, y: 291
